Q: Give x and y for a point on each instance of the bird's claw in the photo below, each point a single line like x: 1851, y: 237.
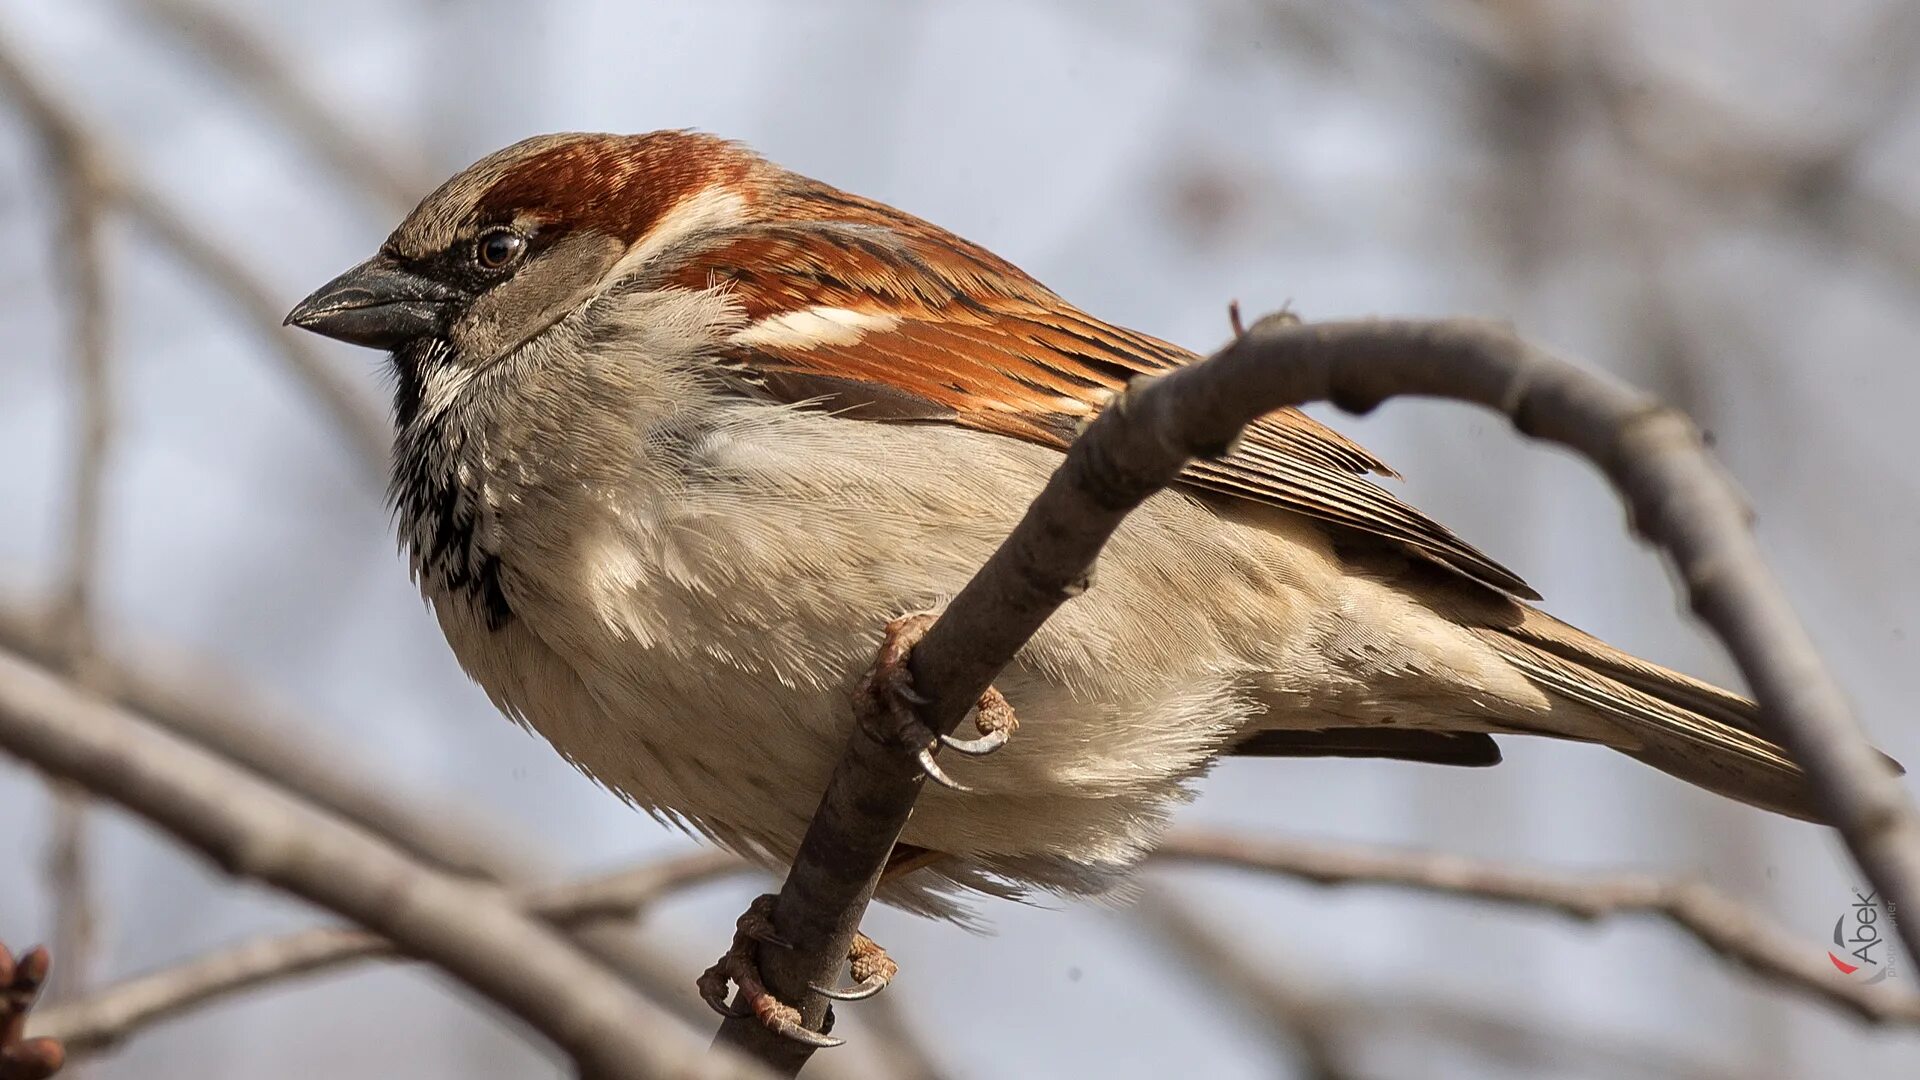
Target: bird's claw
x: 934, y: 772
x: 756, y: 923
x: 739, y: 968
x: 994, y: 719
x: 872, y: 969
x: 886, y: 701
x: 980, y: 747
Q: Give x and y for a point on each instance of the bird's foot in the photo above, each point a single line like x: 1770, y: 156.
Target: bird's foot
x: 22, y: 1058
x: 871, y: 968
x: 994, y: 719
x: 886, y: 700
x: 739, y: 968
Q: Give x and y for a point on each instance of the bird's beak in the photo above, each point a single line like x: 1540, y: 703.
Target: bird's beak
x: 377, y: 304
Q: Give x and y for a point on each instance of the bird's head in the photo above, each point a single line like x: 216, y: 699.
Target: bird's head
x: 515, y: 242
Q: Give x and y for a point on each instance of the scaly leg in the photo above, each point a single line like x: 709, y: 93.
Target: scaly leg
x: 872, y: 969
x: 883, y: 704
x: 885, y: 701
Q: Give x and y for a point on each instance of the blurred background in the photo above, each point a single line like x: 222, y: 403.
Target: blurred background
x: 1711, y: 199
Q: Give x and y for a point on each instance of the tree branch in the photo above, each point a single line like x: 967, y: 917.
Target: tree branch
x: 1732, y: 930
x: 1680, y: 499
x: 1330, y: 1030
x: 360, y: 419
x: 266, y: 78
x: 1289, y: 1012
x: 78, y: 250
x: 113, y: 1013
x: 233, y: 720
x: 471, y: 930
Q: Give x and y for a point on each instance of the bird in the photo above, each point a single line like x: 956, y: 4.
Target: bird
x: 679, y: 431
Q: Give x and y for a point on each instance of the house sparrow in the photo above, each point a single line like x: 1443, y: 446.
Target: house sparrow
x: 679, y: 430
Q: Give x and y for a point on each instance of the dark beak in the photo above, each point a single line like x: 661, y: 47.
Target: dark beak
x: 377, y: 304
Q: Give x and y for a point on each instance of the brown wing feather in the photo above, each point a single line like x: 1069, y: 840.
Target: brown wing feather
x: 961, y: 336
x: 936, y: 329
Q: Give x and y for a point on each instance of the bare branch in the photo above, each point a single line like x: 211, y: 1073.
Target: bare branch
x: 471, y: 930
x: 1679, y: 497
x: 361, y: 419
x: 1732, y: 163
x: 70, y: 891
x: 76, y: 912
x: 78, y: 251
x: 1329, y: 1027
x: 902, y: 1054
x: 1654, y: 457
x: 233, y: 720
x: 1297, y: 1015
x: 267, y: 79
x: 115, y: 1012
x: 1731, y: 168
x: 1734, y: 931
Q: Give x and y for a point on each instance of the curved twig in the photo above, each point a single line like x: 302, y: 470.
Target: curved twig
x: 1734, y: 931
x: 1680, y: 499
x: 104, y: 1018
x: 1330, y: 1031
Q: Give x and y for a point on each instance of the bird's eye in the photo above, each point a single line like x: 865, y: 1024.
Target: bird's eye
x: 499, y: 247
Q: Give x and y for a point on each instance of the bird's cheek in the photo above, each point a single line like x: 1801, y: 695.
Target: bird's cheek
x: 547, y: 289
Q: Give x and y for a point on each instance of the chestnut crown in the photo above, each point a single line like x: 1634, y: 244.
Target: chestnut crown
x: 555, y: 211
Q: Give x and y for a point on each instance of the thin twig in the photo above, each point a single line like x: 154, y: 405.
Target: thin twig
x: 1731, y: 162
x: 361, y: 419
x: 70, y: 891
x: 249, y: 828
x: 233, y: 720
x: 113, y: 1013
x: 1680, y: 499
x: 267, y: 79
x: 78, y: 251
x: 1331, y: 1028
x: 890, y: 1035
x: 1732, y: 930
x: 1298, y: 1016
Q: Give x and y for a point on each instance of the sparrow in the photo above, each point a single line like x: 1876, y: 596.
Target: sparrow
x: 678, y: 431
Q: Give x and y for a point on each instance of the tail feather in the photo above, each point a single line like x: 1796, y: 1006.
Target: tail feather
x: 1543, y: 631
x: 1679, y: 725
